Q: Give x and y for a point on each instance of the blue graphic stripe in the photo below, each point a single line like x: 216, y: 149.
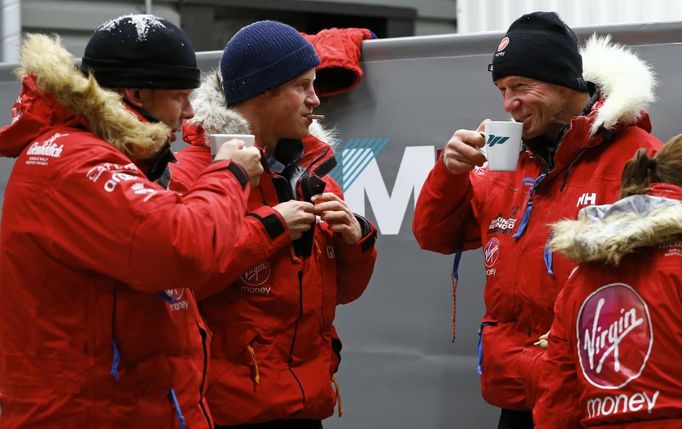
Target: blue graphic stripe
x: 375, y: 146
x: 361, y: 158
x: 355, y: 156
x: 366, y: 155
x: 352, y: 172
x: 349, y: 154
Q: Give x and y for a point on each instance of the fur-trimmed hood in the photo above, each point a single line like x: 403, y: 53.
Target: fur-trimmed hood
x: 626, y: 82
x: 609, y: 232
x: 55, y: 92
x: 214, y: 116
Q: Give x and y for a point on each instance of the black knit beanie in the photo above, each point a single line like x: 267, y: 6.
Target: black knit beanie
x: 540, y: 46
x: 141, y: 51
x: 262, y: 56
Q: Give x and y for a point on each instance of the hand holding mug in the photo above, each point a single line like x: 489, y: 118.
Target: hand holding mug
x: 239, y: 148
x: 463, y: 152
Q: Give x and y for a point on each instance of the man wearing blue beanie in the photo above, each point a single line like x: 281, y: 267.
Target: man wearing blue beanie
x: 583, y: 118
x: 302, y: 250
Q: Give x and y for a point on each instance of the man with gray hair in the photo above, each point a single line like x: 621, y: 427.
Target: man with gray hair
x: 580, y: 126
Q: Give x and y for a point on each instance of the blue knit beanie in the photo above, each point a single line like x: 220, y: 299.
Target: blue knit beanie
x: 262, y: 56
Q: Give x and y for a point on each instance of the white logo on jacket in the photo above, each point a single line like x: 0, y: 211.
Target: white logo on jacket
x: 491, y: 252
x: 175, y: 296
x: 40, y: 152
x: 587, y: 199
x: 254, y: 278
x: 502, y: 224
x: 118, y: 174
x: 257, y: 275
x: 615, y: 337
x: 673, y: 248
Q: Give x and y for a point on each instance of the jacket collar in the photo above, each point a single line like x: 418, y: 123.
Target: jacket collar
x: 624, y: 86
x: 609, y: 232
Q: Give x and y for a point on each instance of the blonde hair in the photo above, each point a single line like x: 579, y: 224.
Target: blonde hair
x: 664, y: 167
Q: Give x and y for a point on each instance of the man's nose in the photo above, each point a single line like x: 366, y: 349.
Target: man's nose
x: 188, y: 111
x: 509, y: 102
x: 312, y: 99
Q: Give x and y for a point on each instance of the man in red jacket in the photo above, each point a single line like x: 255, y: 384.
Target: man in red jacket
x: 301, y: 251
x: 97, y: 329
x: 580, y: 126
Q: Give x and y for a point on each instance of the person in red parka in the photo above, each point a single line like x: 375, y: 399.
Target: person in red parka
x: 614, y: 347
x: 580, y: 126
x: 301, y: 251
x: 97, y: 328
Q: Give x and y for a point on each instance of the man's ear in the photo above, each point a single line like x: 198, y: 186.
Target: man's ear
x: 132, y: 96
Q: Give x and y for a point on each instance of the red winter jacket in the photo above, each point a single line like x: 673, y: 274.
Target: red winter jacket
x: 96, y: 328
x: 339, y: 50
x: 615, y: 344
x: 508, y: 213
x: 274, y: 347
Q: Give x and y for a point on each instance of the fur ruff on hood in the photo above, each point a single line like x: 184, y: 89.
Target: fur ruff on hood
x: 609, y: 232
x: 54, y: 70
x: 627, y: 82
x: 215, y: 117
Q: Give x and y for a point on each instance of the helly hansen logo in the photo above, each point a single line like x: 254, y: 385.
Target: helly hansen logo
x: 587, y: 199
x: 493, y: 140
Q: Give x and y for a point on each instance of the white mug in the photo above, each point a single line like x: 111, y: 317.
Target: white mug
x: 502, y: 144
x: 215, y: 141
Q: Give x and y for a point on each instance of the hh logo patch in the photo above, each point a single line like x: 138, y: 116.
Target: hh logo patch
x: 615, y: 336
x: 587, y: 199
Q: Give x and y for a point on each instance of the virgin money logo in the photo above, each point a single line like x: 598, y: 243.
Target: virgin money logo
x: 491, y: 251
x: 175, y: 294
x: 257, y: 275
x: 615, y: 336
x: 503, y: 43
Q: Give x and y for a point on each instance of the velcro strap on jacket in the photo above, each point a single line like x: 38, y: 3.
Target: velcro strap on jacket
x: 239, y: 174
x: 272, y: 224
x: 325, y: 167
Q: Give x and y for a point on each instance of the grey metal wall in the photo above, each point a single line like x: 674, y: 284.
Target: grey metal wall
x: 399, y: 368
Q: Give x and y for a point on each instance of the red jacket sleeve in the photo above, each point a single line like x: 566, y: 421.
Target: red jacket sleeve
x: 355, y: 266
x: 444, y: 220
x: 557, y: 406
x: 355, y: 262
x: 113, y: 220
x: 263, y: 234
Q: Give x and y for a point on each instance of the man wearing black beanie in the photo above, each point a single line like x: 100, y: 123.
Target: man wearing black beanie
x: 98, y: 328
x: 583, y: 117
